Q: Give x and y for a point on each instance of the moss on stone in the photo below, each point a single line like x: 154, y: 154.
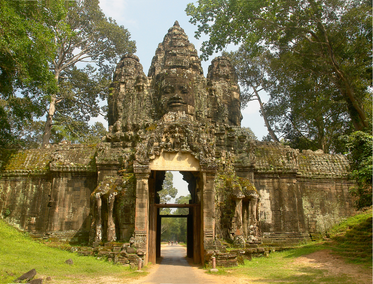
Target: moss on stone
x: 29, y: 160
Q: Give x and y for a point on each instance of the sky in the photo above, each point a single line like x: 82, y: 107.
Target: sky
x: 148, y: 22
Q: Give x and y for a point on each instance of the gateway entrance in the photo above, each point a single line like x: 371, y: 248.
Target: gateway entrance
x: 193, y: 234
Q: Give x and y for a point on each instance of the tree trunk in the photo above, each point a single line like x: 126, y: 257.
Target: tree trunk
x: 357, y: 114
x: 270, y: 131
x: 49, y: 122
x: 51, y: 112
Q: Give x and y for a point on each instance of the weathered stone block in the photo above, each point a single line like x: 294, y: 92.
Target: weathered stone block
x: 131, y: 250
x: 117, y: 249
x: 133, y: 259
x: 85, y: 253
x: 227, y: 262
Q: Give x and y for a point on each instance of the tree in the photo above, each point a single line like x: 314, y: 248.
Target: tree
x: 176, y: 228
x: 304, y: 108
x: 79, y: 132
x: 331, y: 39
x: 360, y: 155
x: 252, y: 76
x: 26, y: 47
x: 168, y: 191
x: 181, y: 223
x: 81, y: 33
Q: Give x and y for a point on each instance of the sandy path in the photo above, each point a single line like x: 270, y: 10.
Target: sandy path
x: 334, y: 265
x: 175, y: 268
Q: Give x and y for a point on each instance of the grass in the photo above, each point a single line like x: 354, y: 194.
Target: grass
x: 352, y: 239
x: 19, y: 253
x: 282, y: 267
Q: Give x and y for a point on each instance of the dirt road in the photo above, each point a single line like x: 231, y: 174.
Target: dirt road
x: 175, y: 268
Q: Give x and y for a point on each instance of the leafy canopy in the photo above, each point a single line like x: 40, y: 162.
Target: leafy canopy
x: 329, y: 40
x: 26, y: 48
x: 82, y: 34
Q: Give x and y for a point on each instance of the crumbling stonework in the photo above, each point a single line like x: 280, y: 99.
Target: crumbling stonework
x: 243, y: 191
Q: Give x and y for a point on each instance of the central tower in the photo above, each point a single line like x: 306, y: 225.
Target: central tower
x: 173, y: 119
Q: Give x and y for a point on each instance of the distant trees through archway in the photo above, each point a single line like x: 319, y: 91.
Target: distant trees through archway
x: 174, y: 191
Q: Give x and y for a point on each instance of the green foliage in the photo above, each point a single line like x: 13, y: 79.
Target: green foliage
x: 175, y: 229
x: 360, y: 145
x: 172, y: 229
x: 7, y: 212
x: 41, y: 44
x: 77, y: 131
x: 82, y: 34
x: 352, y: 238
x: 317, y: 61
x: 168, y: 191
x: 26, y: 48
x: 226, y: 183
x: 26, y: 254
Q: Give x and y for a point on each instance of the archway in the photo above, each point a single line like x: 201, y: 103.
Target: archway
x: 189, y: 167
x: 193, y: 217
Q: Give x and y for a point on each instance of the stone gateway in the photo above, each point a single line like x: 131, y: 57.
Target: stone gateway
x: 174, y: 119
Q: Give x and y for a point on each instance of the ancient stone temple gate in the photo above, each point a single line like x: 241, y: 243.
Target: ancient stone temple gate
x: 174, y: 119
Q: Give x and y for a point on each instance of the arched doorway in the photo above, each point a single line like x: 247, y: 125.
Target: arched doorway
x: 193, y: 217
x: 149, y: 179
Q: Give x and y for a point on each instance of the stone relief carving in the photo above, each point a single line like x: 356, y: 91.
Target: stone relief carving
x: 105, y: 192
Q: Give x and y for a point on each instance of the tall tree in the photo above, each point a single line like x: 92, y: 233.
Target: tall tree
x: 333, y: 36
x: 175, y: 229
x: 304, y: 108
x: 82, y: 34
x: 26, y: 48
x: 167, y: 193
x: 252, y: 76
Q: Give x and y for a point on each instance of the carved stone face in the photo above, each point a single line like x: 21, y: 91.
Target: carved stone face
x: 175, y: 94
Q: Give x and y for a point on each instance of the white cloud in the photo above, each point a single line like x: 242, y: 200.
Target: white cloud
x: 114, y: 8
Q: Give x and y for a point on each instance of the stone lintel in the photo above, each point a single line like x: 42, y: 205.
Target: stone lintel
x: 175, y: 161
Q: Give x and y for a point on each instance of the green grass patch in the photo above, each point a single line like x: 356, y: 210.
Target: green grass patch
x: 19, y: 253
x: 351, y: 239
x: 282, y: 267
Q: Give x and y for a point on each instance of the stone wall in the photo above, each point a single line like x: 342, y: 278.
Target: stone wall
x: 302, y: 193
x: 47, y: 192
x: 50, y: 193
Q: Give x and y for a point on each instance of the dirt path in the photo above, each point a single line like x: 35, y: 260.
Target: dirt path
x: 334, y: 265
x: 175, y: 268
